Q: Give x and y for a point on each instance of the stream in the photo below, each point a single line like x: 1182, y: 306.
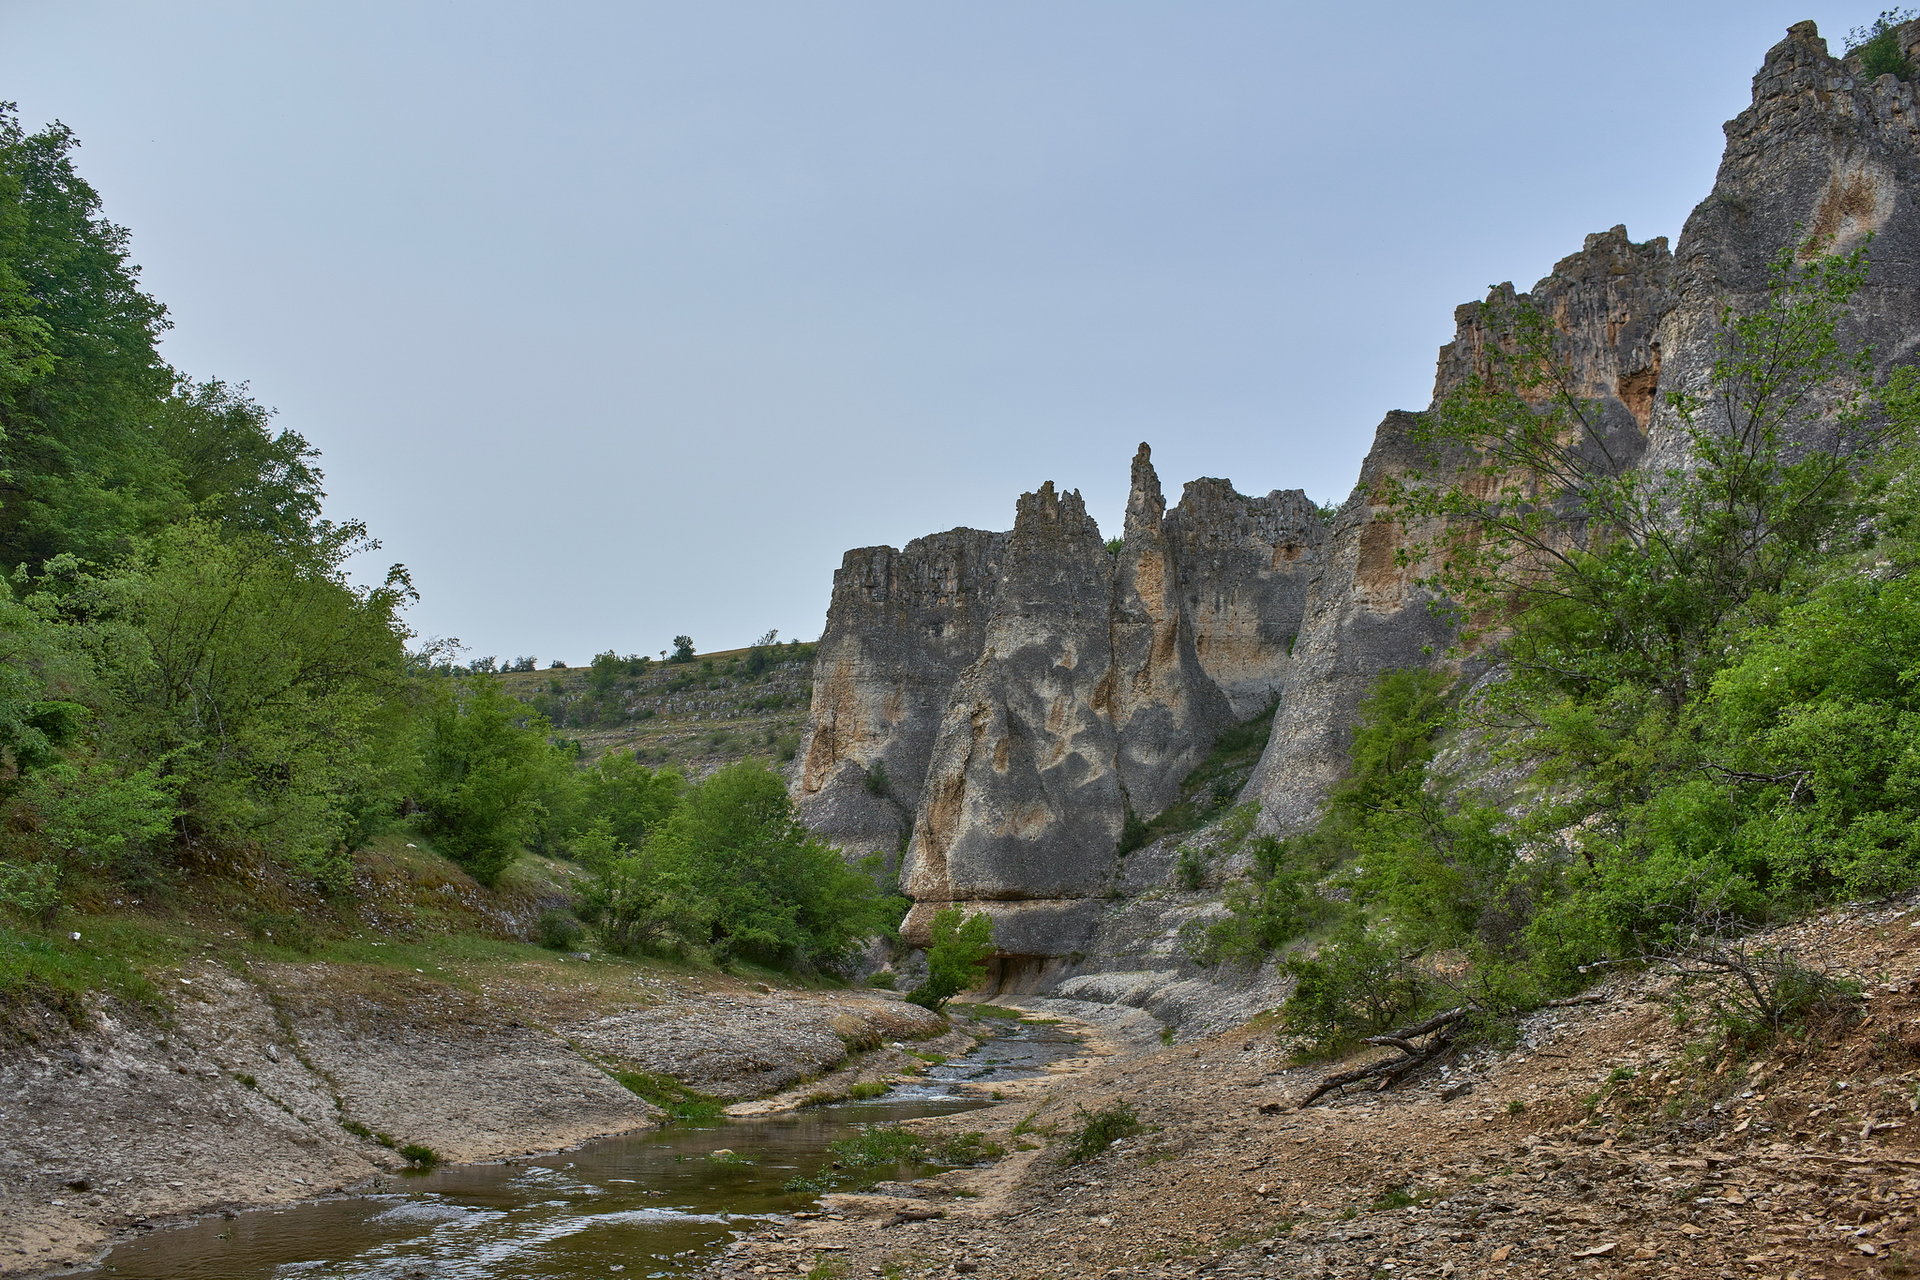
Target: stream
x: 651, y: 1204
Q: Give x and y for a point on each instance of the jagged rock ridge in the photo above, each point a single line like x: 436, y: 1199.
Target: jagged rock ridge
x: 997, y: 704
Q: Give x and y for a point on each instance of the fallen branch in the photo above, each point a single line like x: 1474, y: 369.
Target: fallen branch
x: 1391, y: 1071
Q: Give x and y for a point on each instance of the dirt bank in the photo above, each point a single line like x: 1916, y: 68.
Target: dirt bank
x: 1601, y: 1145
x: 269, y: 1083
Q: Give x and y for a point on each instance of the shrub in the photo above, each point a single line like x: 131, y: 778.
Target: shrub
x: 1878, y: 45
x: 558, y: 930
x: 1099, y: 1130
x: 1357, y: 984
x: 866, y: 1089
x: 957, y: 956
x: 422, y: 1158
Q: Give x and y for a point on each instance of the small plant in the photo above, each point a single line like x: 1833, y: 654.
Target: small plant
x: 876, y: 782
x: 825, y: 1269
x: 1754, y: 994
x: 1516, y: 1107
x: 867, y: 1089
x: 420, y: 1156
x: 668, y: 1094
x: 967, y: 1148
x: 1101, y: 1129
x: 558, y: 931
x: 884, y: 980
x: 1399, y: 1197
x: 246, y: 1080
x: 1190, y: 868
x: 727, y: 1155
x: 1877, y: 45
x: 1166, y: 1035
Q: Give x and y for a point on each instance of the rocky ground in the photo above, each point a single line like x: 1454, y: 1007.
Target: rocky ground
x: 265, y: 1083
x: 1603, y: 1144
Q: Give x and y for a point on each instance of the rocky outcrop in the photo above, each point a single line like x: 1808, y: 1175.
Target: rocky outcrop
x: 1367, y: 613
x: 902, y: 627
x: 1823, y: 159
x: 1064, y: 718
x: 1076, y: 683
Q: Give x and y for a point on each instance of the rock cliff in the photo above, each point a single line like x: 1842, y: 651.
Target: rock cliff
x: 1001, y: 703
x: 1056, y: 688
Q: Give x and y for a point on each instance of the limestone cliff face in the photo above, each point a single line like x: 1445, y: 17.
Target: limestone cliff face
x: 902, y: 627
x: 1006, y: 700
x: 1366, y: 613
x: 1065, y: 686
x: 1823, y: 155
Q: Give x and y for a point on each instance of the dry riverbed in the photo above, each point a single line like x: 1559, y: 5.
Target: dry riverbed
x: 267, y: 1083
x: 1601, y: 1145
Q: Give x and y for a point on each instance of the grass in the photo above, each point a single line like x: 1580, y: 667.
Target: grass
x: 868, y: 1089
x: 879, y: 1150
x: 1209, y: 790
x: 672, y: 1097
x: 988, y: 1011
x: 422, y: 1158
x: 1100, y: 1129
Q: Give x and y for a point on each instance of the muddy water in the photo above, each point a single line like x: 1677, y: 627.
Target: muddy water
x: 654, y: 1204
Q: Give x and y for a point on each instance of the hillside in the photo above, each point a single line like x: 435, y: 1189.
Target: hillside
x: 693, y: 716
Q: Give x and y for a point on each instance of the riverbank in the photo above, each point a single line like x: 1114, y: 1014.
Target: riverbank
x: 265, y: 1083
x: 1608, y: 1140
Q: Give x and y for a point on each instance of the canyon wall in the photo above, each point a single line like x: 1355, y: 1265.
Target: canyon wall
x: 1020, y: 695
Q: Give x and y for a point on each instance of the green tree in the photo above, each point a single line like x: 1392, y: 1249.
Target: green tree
x: 487, y: 775
x: 266, y: 691
x: 627, y: 797
x: 958, y: 948
x: 682, y: 649
x: 777, y: 893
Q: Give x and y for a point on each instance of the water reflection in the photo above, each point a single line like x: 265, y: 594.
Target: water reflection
x: 653, y: 1204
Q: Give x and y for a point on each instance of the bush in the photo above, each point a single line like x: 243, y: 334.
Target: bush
x: 957, y: 955
x: 558, y: 931
x: 1878, y: 45
x: 487, y: 777
x: 1099, y: 1130
x: 1357, y: 984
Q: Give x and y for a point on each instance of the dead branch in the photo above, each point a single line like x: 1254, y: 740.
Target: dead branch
x: 1440, y: 1030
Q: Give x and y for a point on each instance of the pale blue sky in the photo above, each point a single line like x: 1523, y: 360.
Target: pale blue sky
x: 618, y: 320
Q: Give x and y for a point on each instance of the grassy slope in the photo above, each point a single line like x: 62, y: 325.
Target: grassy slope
x: 694, y: 716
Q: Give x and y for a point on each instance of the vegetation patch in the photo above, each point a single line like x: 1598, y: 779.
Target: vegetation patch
x: 1100, y: 1129
x: 672, y: 1097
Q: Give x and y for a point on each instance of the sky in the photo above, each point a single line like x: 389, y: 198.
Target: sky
x: 622, y: 320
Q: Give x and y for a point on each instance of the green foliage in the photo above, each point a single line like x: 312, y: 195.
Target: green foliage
x: 487, y: 774
x: 628, y: 797
x: 772, y: 891
x: 558, y: 930
x: 864, y: 1090
x: 672, y: 1097
x: 1356, y: 985
x: 682, y: 649
x: 1706, y: 684
x: 422, y: 1158
x: 957, y: 953
x: 247, y: 680
x: 1877, y: 45
x: 1099, y: 1130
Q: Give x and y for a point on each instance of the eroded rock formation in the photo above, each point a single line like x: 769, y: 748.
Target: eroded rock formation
x: 1002, y: 702
x: 1024, y: 691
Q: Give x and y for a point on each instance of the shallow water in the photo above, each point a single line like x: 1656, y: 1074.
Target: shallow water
x: 653, y: 1204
